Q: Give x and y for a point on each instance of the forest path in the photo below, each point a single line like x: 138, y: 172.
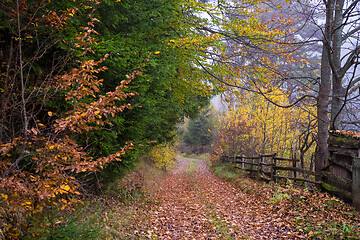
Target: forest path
x: 196, y: 204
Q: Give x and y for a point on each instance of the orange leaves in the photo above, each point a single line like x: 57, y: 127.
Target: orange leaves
x: 49, y: 157
x: 84, y: 114
x: 85, y: 40
x: 5, y: 148
x: 82, y: 83
x: 347, y: 133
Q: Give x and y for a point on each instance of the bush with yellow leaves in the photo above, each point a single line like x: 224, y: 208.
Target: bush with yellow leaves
x: 163, y: 156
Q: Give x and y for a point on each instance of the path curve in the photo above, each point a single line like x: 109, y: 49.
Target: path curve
x: 195, y: 204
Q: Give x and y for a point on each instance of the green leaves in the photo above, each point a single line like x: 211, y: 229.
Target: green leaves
x: 199, y: 134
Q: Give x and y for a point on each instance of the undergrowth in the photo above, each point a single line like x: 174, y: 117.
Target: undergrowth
x: 83, y: 223
x: 118, y: 212
x: 315, y: 214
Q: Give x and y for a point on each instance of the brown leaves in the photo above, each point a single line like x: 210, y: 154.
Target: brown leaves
x: 203, y: 206
x: 347, y: 133
x: 315, y: 214
x: 82, y: 83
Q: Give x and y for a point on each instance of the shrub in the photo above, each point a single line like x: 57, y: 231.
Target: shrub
x: 163, y: 156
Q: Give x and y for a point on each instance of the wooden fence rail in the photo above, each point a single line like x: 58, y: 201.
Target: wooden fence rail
x: 269, y: 168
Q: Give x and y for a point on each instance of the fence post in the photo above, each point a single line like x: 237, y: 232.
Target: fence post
x: 259, y: 168
x: 273, y: 168
x: 242, y: 162
x: 295, y: 165
x: 356, y: 183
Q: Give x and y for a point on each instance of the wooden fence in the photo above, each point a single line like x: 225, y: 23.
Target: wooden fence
x: 272, y: 168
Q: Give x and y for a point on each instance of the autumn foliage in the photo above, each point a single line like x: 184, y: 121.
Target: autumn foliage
x: 86, y: 88
x: 163, y: 156
x: 41, y: 162
x: 256, y: 126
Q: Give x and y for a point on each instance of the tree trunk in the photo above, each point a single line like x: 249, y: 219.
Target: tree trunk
x: 324, y: 90
x: 337, y: 91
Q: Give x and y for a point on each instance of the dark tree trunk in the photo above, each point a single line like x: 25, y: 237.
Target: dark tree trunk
x: 324, y: 90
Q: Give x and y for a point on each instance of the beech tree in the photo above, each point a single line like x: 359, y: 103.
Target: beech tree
x: 339, y: 76
x: 84, y: 92
x: 40, y: 157
x: 255, y: 126
x: 267, y: 48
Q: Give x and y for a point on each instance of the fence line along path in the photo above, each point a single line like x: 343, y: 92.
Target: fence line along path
x: 270, y: 167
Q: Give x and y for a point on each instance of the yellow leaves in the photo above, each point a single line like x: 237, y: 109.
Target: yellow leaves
x: 259, y: 126
x: 4, y: 196
x: 51, y: 147
x: 157, y: 52
x: 66, y: 188
x: 163, y: 156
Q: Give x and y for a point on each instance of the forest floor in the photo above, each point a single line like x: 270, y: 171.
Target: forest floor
x: 196, y: 204
x: 191, y: 202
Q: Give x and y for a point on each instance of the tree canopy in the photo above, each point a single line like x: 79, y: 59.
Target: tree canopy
x: 86, y: 87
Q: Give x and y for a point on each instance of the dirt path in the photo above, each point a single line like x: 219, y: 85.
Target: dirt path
x: 195, y: 204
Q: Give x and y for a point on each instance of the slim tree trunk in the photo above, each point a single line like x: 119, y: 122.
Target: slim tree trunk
x: 324, y: 90
x: 338, y: 91
x: 23, y: 100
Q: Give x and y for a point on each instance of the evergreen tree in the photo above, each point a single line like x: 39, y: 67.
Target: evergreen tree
x: 199, y: 132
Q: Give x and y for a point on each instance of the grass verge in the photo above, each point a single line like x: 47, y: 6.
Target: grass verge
x: 119, y: 212
x: 191, y: 167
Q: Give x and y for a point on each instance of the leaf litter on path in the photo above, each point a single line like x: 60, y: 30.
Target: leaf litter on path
x: 203, y: 206
x: 191, y: 202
